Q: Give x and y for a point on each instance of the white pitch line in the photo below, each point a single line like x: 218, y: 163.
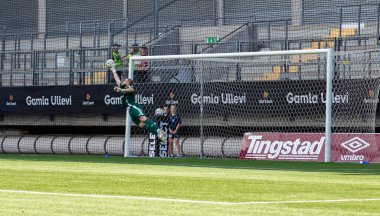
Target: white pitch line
x: 307, y: 201
x: 183, y: 200
x: 255, y: 157
x: 290, y: 158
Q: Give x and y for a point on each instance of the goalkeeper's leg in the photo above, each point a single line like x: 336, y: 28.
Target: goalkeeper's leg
x: 142, y: 121
x: 152, y: 127
x: 148, y: 125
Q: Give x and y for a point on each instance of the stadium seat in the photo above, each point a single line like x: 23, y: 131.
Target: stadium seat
x: 316, y: 45
x: 303, y: 58
x: 334, y: 33
x: 293, y: 69
x: 274, y: 75
x: 99, y: 78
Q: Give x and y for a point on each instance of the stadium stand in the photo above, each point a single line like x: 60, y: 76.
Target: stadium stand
x: 76, y: 42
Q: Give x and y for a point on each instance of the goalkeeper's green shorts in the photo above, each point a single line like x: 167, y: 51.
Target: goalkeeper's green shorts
x: 135, y: 111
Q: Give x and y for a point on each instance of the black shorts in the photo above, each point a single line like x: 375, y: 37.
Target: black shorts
x: 173, y: 136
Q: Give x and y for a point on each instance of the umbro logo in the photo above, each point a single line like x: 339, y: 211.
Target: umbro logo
x: 355, y: 144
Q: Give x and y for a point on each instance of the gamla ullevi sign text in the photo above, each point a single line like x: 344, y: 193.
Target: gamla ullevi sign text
x: 310, y: 147
x: 316, y: 98
x: 55, y: 100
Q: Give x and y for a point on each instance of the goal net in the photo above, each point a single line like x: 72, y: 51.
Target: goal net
x: 219, y: 97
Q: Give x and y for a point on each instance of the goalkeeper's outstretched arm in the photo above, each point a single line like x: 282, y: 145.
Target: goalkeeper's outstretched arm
x: 115, y: 76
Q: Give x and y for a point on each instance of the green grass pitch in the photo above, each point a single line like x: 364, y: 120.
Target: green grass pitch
x: 97, y: 185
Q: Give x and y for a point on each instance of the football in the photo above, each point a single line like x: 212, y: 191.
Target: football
x: 109, y: 64
x: 159, y: 112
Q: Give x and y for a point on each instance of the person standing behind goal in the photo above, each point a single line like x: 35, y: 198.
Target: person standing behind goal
x: 118, y: 59
x: 174, y: 135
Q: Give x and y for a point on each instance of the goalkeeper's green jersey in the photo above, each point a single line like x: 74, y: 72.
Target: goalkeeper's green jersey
x: 127, y: 99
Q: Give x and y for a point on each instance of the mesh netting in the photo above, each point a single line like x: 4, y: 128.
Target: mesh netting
x: 50, y: 47
x: 219, y: 99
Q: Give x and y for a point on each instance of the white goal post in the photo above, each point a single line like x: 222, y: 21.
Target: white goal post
x: 329, y: 82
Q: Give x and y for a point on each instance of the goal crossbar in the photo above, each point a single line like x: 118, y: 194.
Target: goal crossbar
x: 231, y: 55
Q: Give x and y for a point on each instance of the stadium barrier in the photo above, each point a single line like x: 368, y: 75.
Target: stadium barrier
x: 111, y: 145
x: 345, y: 147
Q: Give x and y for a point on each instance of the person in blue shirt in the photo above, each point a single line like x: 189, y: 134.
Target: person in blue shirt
x: 174, y: 122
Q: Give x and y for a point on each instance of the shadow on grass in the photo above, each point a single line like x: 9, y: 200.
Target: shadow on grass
x: 346, y: 168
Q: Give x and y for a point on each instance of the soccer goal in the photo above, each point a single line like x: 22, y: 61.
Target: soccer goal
x: 221, y: 97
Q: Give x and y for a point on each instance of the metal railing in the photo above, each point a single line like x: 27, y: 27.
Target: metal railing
x: 218, y: 21
x: 85, y: 66
x: 357, y: 9
x: 63, y: 67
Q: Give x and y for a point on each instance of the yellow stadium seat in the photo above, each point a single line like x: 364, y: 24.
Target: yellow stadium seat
x: 99, y: 78
x: 303, y: 58
x: 345, y: 32
x: 276, y: 69
x: 274, y: 75
x: 327, y: 42
x: 293, y: 69
x: 314, y: 45
x: 276, y: 72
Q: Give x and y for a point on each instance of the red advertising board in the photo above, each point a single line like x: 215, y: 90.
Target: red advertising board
x: 311, y: 147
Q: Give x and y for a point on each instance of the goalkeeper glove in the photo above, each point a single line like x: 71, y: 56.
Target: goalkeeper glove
x: 117, y: 89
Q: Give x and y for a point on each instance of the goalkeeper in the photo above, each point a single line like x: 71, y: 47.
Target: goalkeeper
x: 135, y: 111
